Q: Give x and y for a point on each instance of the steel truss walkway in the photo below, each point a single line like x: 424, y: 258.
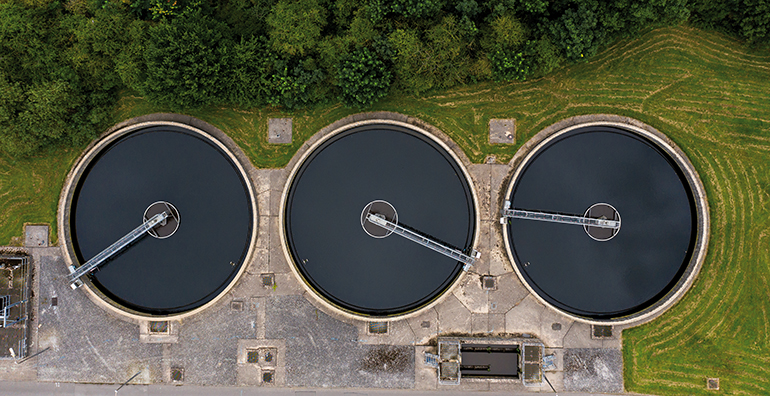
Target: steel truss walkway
x: 427, y: 242
x: 557, y: 218
x: 105, y: 254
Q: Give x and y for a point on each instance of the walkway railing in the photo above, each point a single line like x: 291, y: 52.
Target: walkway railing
x: 105, y: 254
x: 424, y: 241
x: 558, y: 218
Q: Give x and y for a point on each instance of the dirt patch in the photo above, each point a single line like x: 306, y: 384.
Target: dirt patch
x: 387, y: 359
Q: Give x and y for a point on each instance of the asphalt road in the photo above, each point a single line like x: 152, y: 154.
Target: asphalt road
x: 46, y: 388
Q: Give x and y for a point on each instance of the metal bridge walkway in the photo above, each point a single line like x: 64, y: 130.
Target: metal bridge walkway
x: 105, y: 254
x: 427, y: 242
x: 558, y: 218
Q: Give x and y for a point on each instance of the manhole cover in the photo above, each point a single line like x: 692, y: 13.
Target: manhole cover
x: 54, y: 301
x: 177, y: 374
x: 489, y: 282
x: 268, y: 356
x: 268, y: 376
x: 236, y: 305
x: 425, y: 324
x: 556, y: 326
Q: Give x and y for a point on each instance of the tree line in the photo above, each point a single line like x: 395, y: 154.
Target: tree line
x: 64, y: 63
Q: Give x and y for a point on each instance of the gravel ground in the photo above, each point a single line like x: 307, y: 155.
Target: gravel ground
x: 87, y: 345
x: 593, y: 370
x: 324, y: 352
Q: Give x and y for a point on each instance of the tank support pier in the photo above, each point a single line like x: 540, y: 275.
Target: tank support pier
x: 556, y: 218
x: 105, y: 254
x: 427, y: 242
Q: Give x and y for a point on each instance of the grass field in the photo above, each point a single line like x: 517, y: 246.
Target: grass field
x: 705, y: 91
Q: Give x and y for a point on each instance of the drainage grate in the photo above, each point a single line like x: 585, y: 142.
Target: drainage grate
x: 54, y: 301
x: 378, y: 327
x: 268, y: 280
x: 712, y: 383
x: 236, y: 305
x: 268, y: 376
x: 159, y: 327
x: 489, y: 282
x: 252, y: 356
x: 599, y: 331
x: 268, y: 357
x: 177, y: 374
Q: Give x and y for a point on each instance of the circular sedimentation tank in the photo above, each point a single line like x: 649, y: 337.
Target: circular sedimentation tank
x: 190, y: 259
x: 609, y: 171
x: 403, y: 174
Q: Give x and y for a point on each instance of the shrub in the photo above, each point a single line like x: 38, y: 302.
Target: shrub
x: 509, y: 65
x: 363, y: 78
x: 186, y: 61
x: 295, y: 85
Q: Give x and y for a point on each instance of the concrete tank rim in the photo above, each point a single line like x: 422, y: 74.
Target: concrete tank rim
x: 548, y: 134
x: 328, y: 133
x: 205, y: 130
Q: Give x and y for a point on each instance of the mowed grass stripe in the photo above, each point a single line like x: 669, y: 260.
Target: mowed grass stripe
x: 725, y: 328
x: 670, y: 336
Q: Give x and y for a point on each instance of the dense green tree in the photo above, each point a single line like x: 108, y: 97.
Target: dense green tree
x: 46, y: 97
x: 63, y: 63
x: 626, y: 17
x: 544, y: 55
x: 246, y: 18
x: 186, y: 61
x: 295, y: 26
x: 577, y: 31
x: 509, y: 65
x: 129, y: 61
x: 362, y: 29
x: 504, y: 31
x: 754, y: 19
x: 416, y: 8
x: 250, y: 66
x: 296, y: 83
x: 363, y: 78
x: 440, y: 59
x: 94, y: 42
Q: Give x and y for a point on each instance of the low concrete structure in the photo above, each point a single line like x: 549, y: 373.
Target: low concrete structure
x: 279, y: 130
x: 36, y: 236
x: 502, y: 131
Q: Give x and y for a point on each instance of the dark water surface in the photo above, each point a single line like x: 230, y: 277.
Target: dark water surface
x: 189, y: 268
x: 330, y: 248
x: 642, y: 262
